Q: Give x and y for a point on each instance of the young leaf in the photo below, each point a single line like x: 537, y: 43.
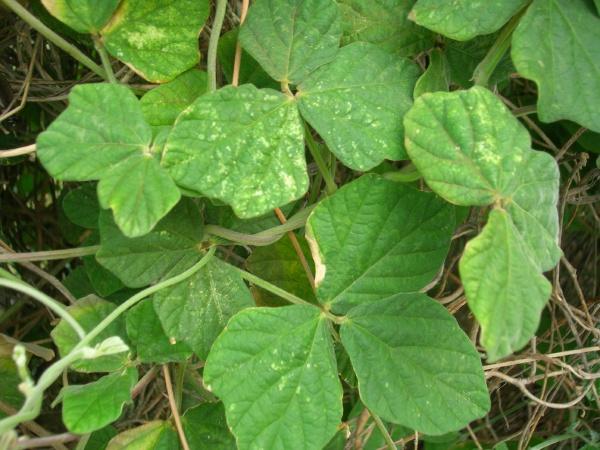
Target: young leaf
x: 291, y: 38
x: 566, y: 66
x: 156, y: 38
x: 291, y: 397
x: 464, y: 19
x: 375, y: 238
x: 89, y: 311
x: 356, y: 101
x: 84, y: 16
x: 81, y: 206
x: 148, y: 336
x: 163, y: 104
x: 89, y: 407
x: 170, y: 248
x: 383, y: 23
x: 196, y: 310
x: 505, y: 289
x: 241, y: 145
x: 205, y: 427
x: 113, y: 148
x: 414, y: 364
x: 156, y: 435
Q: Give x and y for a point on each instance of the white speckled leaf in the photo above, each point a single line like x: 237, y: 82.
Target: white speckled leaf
x: 290, y: 396
x: 241, y: 145
x: 504, y: 288
x: 291, y: 38
x: 84, y: 16
x: 157, y: 38
x: 375, y: 238
x: 89, y: 407
x: 384, y: 23
x: 170, y: 248
x: 556, y: 45
x: 197, y: 309
x: 356, y: 103
x: 464, y: 19
x: 414, y: 364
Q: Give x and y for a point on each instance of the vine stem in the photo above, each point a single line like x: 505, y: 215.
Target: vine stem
x: 49, y: 255
x: 33, y: 400
x: 173, y: 406
x: 105, y: 60
x: 57, y: 40
x: 45, y: 300
x: 213, y: 43
x: 237, y: 61
x: 26, y: 150
x: 318, y: 157
x: 386, y: 435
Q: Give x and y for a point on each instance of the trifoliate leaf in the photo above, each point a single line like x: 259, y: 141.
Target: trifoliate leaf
x: 464, y: 19
x: 81, y: 206
x: 114, y: 148
x: 89, y: 407
x: 375, y: 238
x: 291, y: 397
x: 556, y: 45
x: 291, y: 38
x: 149, y: 338
x: 89, y: 312
x: 504, y: 286
x: 156, y: 38
x: 383, y: 23
x: 156, y: 435
x: 205, y: 427
x: 197, y: 309
x: 414, y: 364
x: 170, y: 248
x: 84, y: 16
x: 241, y: 145
x: 356, y: 102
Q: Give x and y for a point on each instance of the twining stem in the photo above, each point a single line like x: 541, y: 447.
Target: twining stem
x: 70, y: 49
x: 237, y: 61
x: 105, y: 60
x: 213, y: 43
x: 49, y: 255
x: 173, y: 406
x: 26, y: 150
x: 486, y: 67
x: 386, y: 435
x: 318, y: 157
x: 45, y: 300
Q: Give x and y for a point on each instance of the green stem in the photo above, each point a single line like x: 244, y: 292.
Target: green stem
x: 213, y: 43
x: 486, y: 67
x: 105, y: 60
x: 386, y: 435
x: 179, y: 380
x: 272, y: 288
x: 407, y: 174
x: 49, y: 302
x: 318, y: 157
x: 49, y: 255
x: 61, y: 43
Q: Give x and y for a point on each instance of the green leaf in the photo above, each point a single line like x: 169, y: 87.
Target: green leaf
x: 205, y: 427
x: 414, y: 364
x: 89, y: 407
x: 156, y: 435
x: 81, y: 206
x: 356, y: 102
x: 113, y: 148
x: 78, y: 283
x: 158, y: 39
x: 383, y: 23
x: 464, y: 19
x: 566, y: 64
x: 149, y: 338
x: 241, y: 145
x: 502, y: 282
x: 291, y: 397
x: 163, y: 104
x: 89, y: 312
x: 100, y: 438
x: 375, y: 238
x: 436, y: 77
x: 250, y: 70
x: 279, y: 264
x: 9, y: 377
x: 103, y: 282
x: 84, y: 16
x: 291, y: 38
x: 197, y: 309
x: 170, y: 248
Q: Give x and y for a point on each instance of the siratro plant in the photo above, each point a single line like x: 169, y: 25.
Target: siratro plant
x: 177, y: 189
